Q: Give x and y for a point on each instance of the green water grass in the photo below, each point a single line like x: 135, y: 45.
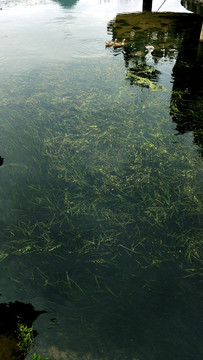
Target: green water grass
x: 112, y: 200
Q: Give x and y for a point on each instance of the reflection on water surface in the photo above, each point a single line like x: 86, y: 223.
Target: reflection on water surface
x: 169, y: 39
x: 100, y: 200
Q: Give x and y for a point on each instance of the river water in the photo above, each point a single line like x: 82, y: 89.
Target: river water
x: 101, y: 177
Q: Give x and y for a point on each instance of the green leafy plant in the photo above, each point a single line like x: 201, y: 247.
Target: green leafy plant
x: 38, y: 357
x: 25, y: 337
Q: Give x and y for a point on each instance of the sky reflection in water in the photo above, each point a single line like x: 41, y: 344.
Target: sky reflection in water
x: 37, y: 34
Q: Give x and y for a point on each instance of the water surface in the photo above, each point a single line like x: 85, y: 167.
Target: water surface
x: 100, y: 186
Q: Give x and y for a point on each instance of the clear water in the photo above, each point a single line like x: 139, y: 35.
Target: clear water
x: 100, y: 189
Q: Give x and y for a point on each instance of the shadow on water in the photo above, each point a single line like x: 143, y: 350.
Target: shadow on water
x: 195, y: 6
x: 16, y: 329
x: 166, y: 36
x: 187, y: 94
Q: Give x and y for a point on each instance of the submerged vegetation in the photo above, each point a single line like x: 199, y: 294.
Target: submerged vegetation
x: 37, y: 357
x: 143, y: 75
x: 25, y: 337
x: 106, y: 213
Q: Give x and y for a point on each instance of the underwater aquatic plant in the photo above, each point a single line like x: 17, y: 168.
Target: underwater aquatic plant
x: 25, y: 337
x: 107, y: 211
x: 143, y: 75
x: 38, y: 357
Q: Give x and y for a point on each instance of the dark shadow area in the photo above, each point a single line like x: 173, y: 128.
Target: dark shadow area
x: 1, y: 161
x: 195, y: 6
x: 147, y: 5
x: 187, y: 96
x: 154, y: 37
x: 16, y: 332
